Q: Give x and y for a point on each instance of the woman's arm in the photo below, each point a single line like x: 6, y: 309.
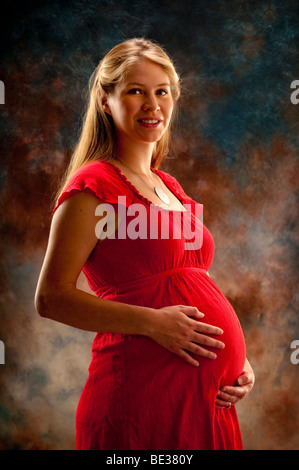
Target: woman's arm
x: 230, y: 395
x: 72, y: 238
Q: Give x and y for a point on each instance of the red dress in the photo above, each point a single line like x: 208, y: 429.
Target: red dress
x: 139, y: 395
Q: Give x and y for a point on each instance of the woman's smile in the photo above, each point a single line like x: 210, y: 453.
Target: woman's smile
x: 150, y: 123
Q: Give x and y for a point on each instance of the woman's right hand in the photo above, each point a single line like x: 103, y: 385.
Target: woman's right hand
x: 178, y: 329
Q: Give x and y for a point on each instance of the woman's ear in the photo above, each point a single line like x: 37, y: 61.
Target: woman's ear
x: 105, y: 105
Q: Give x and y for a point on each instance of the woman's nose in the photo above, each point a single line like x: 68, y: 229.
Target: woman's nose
x: 151, y: 104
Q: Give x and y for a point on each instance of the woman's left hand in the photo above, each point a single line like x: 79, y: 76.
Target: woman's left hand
x: 229, y: 395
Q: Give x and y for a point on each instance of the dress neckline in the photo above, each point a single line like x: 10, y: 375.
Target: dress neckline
x: 145, y: 199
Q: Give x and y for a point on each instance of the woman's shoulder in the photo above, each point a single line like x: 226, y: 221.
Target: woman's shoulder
x: 98, y: 173
x: 98, y: 178
x: 94, y: 170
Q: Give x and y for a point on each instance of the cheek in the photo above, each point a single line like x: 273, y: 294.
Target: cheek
x: 118, y: 115
x: 124, y: 112
x: 168, y: 111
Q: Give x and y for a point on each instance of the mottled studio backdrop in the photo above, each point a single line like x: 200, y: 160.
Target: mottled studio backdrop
x: 237, y: 151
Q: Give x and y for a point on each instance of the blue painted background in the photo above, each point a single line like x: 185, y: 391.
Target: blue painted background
x: 236, y: 152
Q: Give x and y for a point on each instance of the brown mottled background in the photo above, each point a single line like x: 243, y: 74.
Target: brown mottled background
x: 237, y: 153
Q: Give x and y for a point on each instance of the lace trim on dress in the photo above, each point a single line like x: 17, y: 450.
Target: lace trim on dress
x: 180, y: 197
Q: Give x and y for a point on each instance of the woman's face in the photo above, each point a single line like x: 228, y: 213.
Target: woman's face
x: 141, y: 105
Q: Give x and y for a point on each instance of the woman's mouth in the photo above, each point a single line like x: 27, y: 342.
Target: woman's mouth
x: 151, y: 123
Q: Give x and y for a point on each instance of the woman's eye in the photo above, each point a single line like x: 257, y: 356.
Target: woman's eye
x: 138, y: 91
x: 135, y: 91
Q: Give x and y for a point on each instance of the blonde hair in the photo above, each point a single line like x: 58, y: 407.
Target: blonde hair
x: 97, y: 139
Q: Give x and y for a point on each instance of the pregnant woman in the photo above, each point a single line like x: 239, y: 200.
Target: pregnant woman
x: 168, y: 359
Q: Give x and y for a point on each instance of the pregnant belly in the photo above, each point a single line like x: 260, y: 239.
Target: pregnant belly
x: 187, y: 287
x: 219, y: 312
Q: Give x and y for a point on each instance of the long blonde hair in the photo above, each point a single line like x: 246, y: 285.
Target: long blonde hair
x: 98, y: 138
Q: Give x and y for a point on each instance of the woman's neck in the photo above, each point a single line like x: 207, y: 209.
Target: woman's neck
x: 137, y: 157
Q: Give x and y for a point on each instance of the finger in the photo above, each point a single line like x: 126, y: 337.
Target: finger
x: 242, y: 380
x: 192, y: 311
x: 223, y: 403
x: 184, y: 355
x: 207, y: 341
x: 200, y: 351
x: 207, y: 329
x: 245, y: 378
x: 226, y: 397
x: 228, y: 393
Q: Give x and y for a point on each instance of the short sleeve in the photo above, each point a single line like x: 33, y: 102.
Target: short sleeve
x: 99, y: 179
